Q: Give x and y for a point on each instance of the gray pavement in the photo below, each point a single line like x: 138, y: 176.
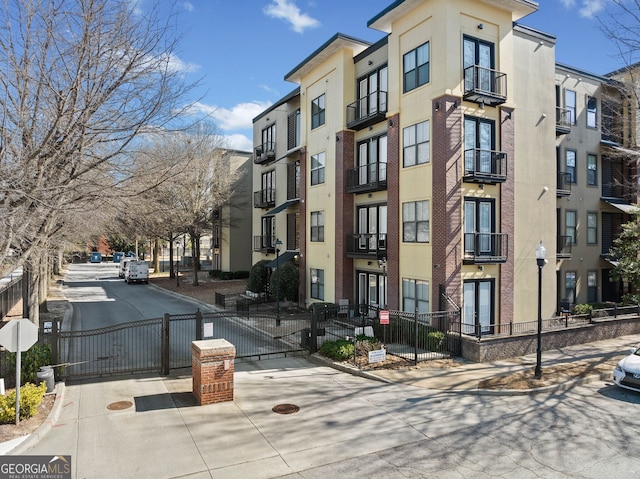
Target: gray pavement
x: 149, y: 426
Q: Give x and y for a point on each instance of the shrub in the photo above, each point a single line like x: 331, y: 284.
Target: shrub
x: 258, y: 277
x: 37, y: 355
x: 240, y: 274
x: 435, y: 340
x: 30, y: 398
x: 214, y: 273
x: 288, y: 275
x: 340, y: 349
x: 582, y: 309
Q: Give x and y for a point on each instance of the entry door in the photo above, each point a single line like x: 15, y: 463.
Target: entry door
x: 478, y: 306
x: 480, y: 54
x: 478, y: 218
x: 478, y: 144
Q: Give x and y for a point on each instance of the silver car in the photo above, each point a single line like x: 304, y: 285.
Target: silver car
x: 626, y: 374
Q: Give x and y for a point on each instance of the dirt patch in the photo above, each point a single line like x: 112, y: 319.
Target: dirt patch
x: 27, y: 426
x: 206, y: 289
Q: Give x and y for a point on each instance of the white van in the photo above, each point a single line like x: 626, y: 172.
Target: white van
x: 136, y: 272
x: 123, y: 264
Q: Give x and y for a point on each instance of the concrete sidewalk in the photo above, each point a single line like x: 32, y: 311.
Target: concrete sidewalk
x: 149, y: 426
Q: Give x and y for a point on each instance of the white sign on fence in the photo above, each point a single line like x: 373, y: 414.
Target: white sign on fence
x: 377, y: 356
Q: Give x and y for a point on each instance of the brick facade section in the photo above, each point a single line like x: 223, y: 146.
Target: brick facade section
x: 344, y: 217
x: 505, y: 297
x: 212, y: 383
x: 446, y: 208
x: 394, y: 212
x: 302, y: 224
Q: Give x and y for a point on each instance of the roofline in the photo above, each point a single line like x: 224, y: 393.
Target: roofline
x: 578, y: 71
x: 535, y: 32
x: 623, y: 69
x: 376, y: 46
x: 324, y: 46
x: 294, y: 93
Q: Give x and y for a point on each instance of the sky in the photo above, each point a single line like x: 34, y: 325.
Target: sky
x: 240, y: 50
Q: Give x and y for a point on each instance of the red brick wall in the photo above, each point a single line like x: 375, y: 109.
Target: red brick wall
x: 505, y: 300
x: 393, y: 212
x: 212, y: 383
x: 345, y: 160
x: 446, y: 210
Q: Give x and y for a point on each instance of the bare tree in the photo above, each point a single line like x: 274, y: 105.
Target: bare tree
x: 81, y: 81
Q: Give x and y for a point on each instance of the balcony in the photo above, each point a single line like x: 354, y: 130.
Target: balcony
x: 484, y: 248
x: 367, y: 245
x: 484, y: 86
x: 264, y: 244
x: 563, y: 247
x: 485, y: 166
x: 264, y: 198
x: 265, y: 153
x: 367, y: 111
x: 563, y: 121
x: 367, y: 178
x: 564, y: 184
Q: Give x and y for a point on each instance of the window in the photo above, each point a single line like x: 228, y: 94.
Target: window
x: 317, y: 283
x: 317, y: 112
x: 415, y: 67
x: 592, y: 169
x: 570, y: 105
x: 477, y: 306
x: 415, y: 139
x: 570, y: 286
x: 415, y: 222
x: 269, y: 138
x: 478, y: 64
x: 293, y: 130
x: 415, y: 295
x: 372, y: 161
x: 592, y: 111
x: 570, y: 165
x: 592, y: 228
x: 268, y: 233
x: 317, y: 226
x: 372, y: 93
x: 479, y: 227
x: 293, y: 180
x: 570, y: 218
x: 479, y: 143
x: 317, y: 169
x: 592, y: 286
x: 268, y: 191
x: 372, y: 228
x: 372, y: 289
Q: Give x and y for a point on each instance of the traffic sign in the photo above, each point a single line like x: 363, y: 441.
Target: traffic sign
x: 18, y: 332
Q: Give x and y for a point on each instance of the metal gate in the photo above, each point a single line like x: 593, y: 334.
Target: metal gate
x: 161, y: 344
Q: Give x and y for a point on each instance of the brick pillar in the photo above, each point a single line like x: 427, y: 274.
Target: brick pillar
x: 394, y: 216
x: 507, y: 217
x: 212, y: 364
x: 344, y: 219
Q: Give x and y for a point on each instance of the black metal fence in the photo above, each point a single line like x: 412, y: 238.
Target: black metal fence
x: 10, y: 295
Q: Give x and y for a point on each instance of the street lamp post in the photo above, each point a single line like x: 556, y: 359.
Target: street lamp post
x: 278, y: 244
x: 541, y: 253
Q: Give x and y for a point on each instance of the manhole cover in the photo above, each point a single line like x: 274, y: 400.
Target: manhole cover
x: 285, y: 408
x: 119, y: 405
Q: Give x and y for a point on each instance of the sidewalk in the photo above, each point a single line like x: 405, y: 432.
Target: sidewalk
x: 149, y: 426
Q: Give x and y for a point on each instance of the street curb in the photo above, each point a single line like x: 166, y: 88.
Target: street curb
x: 208, y: 308
x: 45, y: 427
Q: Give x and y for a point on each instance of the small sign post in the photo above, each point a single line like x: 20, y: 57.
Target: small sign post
x: 384, y: 316
x: 17, y: 336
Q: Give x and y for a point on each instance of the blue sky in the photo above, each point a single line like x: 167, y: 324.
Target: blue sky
x: 241, y: 49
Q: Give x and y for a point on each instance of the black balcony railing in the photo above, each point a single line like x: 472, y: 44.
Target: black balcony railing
x: 367, y: 245
x: 563, y: 248
x: 367, y: 110
x: 485, y: 248
x: 484, y: 85
x: 563, y: 121
x: 485, y: 166
x: 265, y: 153
x: 264, y: 198
x: 264, y: 244
x: 367, y: 178
x: 564, y: 184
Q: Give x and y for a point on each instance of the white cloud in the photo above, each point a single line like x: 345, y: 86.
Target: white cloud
x: 239, y: 117
x: 239, y: 142
x: 586, y: 8
x: 175, y: 64
x: 288, y: 11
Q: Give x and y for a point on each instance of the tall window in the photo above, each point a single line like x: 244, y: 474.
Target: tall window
x: 415, y: 139
x: 372, y: 160
x: 372, y: 227
x: 478, y: 64
x: 317, y: 169
x: 592, y: 111
x: 269, y: 138
x: 415, y: 222
x: 592, y: 169
x: 592, y: 286
x: 317, y: 112
x: 268, y: 191
x: 317, y: 226
x: 317, y: 283
x: 372, y: 93
x: 592, y: 228
x: 570, y: 105
x: 293, y: 130
x: 570, y: 219
x: 570, y: 165
x: 479, y: 142
x: 415, y: 295
x: 570, y: 286
x: 268, y: 230
x: 415, y: 67
x: 479, y: 226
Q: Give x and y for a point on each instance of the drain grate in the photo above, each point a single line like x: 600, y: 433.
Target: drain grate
x: 285, y: 408
x: 119, y: 405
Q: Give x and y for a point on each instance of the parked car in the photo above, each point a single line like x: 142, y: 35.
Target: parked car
x: 626, y: 374
x: 123, y: 265
x: 136, y: 272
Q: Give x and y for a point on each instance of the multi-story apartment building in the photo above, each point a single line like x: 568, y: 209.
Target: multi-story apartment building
x: 425, y: 165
